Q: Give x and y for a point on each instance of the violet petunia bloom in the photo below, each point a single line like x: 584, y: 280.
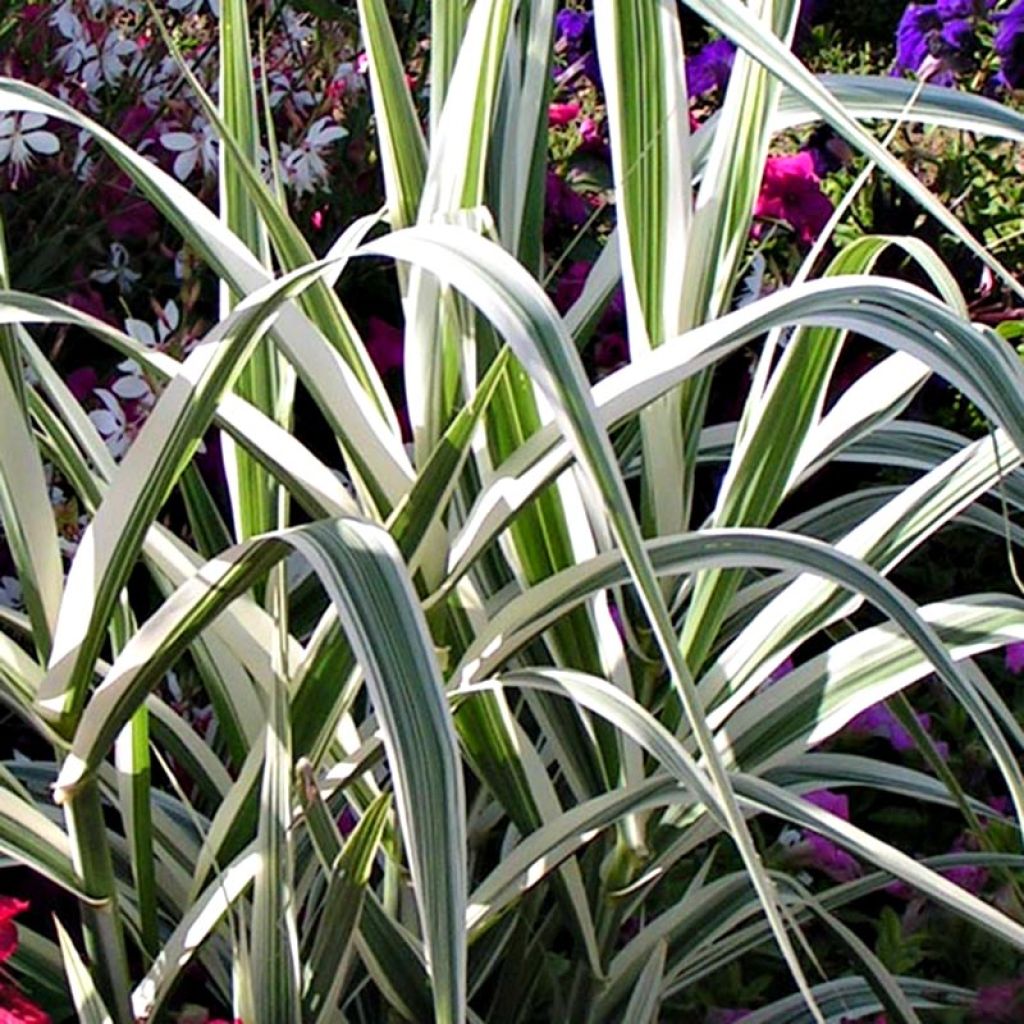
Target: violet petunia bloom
x: 1009, y: 45
x: 791, y: 192
x: 709, y: 68
x: 936, y: 39
x: 574, y: 40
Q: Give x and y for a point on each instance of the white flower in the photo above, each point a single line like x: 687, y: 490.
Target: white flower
x: 194, y: 6
x: 281, y: 85
x: 303, y: 167
x: 347, y: 76
x: 107, y: 66
x: 294, y: 26
x: 117, y: 269
x: 133, y: 387
x: 167, y: 324
x: 111, y: 422
x: 10, y: 593
x: 83, y: 163
x: 201, y: 142
x: 79, y: 48
x: 20, y: 138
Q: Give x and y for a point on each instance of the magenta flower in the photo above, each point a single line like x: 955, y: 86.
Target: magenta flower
x: 562, y: 113
x: 791, y: 192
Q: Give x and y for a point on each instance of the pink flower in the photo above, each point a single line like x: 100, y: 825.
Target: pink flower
x: 16, y: 1008
x: 124, y: 211
x: 589, y: 131
x: 562, y: 113
x: 791, y: 192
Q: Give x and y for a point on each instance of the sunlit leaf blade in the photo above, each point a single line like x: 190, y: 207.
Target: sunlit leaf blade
x: 342, y: 906
x: 88, y: 1003
x: 275, y: 943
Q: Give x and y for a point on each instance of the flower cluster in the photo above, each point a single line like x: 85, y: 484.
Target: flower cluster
x: 15, y: 1006
x: 943, y: 40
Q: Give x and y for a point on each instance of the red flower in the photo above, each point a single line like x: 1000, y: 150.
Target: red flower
x: 9, y: 908
x: 18, y: 1009
x: 791, y: 191
x: 14, y: 1007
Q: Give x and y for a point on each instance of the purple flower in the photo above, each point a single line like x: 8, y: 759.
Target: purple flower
x: 563, y: 203
x: 572, y: 26
x: 938, y: 35
x: 829, y: 151
x: 918, y: 25
x: 822, y: 854
x: 1014, y: 657
x: 1000, y: 1004
x: 727, y: 1016
x: 611, y: 352
x: 709, y: 68
x: 880, y: 722
x: 834, y: 803
x: 386, y: 345
x: 574, y: 40
x: 971, y: 877
x: 1009, y: 45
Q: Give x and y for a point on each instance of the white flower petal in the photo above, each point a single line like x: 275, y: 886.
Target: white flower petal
x: 43, y: 142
